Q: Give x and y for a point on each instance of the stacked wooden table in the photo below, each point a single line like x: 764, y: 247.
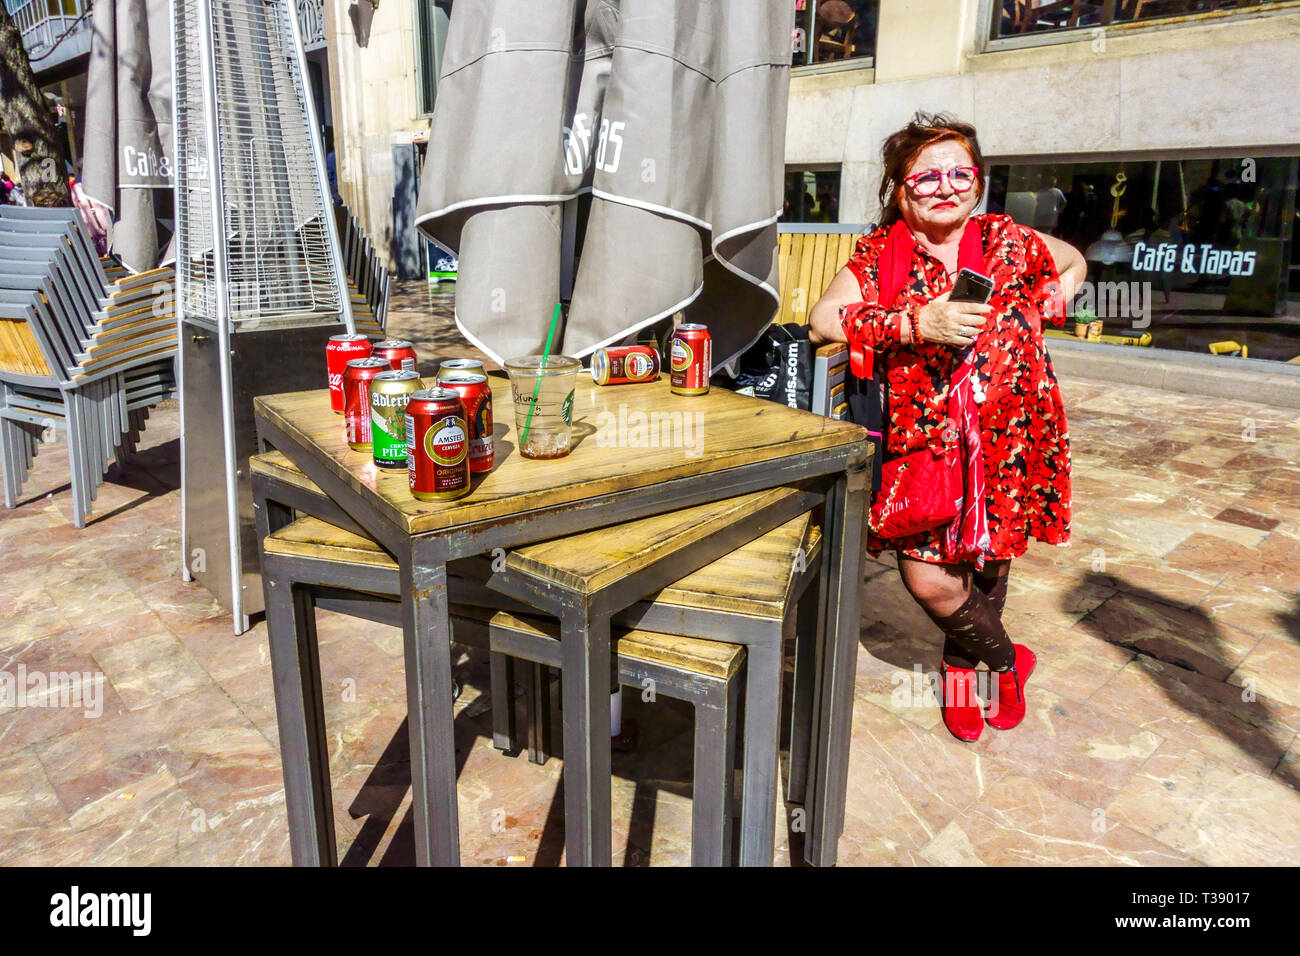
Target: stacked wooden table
x: 632, y: 458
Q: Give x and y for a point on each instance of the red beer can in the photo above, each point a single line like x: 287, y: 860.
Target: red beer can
x: 477, y: 396
x: 340, y: 350
x: 437, y: 445
x: 692, y: 359
x: 356, y: 399
x: 620, y: 366
x: 399, y: 352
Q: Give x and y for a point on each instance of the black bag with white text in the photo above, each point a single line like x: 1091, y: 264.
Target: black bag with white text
x: 779, y: 366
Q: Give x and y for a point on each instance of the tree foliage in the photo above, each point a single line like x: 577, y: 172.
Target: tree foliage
x: 30, y: 122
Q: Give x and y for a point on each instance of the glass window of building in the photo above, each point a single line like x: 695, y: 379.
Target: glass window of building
x: 829, y: 30
x: 812, y: 195
x: 1198, y: 254
x: 432, y: 19
x: 1019, y: 17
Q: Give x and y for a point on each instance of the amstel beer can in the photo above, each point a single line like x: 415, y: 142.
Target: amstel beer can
x: 474, y: 392
x: 629, y: 363
x: 389, y: 394
x: 691, y: 358
x: 400, y: 354
x: 340, y: 350
x: 356, y: 399
x: 437, y: 445
x: 454, y: 366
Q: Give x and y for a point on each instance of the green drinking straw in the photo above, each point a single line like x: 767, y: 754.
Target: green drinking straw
x: 537, y: 388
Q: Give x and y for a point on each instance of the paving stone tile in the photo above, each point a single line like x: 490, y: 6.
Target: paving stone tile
x: 1210, y: 811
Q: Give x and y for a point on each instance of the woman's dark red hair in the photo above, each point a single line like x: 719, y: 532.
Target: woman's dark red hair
x: 901, y: 149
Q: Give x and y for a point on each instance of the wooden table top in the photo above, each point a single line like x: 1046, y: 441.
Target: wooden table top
x: 616, y: 429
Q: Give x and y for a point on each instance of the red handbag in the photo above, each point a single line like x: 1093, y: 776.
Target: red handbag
x: 918, y: 492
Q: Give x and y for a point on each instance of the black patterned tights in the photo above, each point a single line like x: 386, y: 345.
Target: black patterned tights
x: 974, y: 632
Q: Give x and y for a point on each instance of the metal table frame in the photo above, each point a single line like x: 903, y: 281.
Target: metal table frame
x: 422, y: 562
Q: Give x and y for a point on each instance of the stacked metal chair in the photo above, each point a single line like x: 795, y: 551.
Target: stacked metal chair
x: 367, y: 277
x: 86, y: 349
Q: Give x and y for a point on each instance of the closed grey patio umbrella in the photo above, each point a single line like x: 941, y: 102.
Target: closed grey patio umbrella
x: 128, y: 145
x: 670, y: 113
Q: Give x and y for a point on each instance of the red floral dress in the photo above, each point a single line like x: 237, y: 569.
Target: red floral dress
x: 1026, y: 444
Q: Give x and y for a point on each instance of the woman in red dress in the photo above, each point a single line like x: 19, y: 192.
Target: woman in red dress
x: 930, y: 187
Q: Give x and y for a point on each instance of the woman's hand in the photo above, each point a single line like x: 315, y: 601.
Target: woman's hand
x: 951, y: 323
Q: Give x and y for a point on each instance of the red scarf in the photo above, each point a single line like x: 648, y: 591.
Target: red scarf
x: 896, y: 258
x: 967, y: 536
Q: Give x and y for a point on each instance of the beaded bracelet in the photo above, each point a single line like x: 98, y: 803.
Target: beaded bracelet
x: 915, y: 326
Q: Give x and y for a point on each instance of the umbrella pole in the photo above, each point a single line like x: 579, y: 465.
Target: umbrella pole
x: 568, y: 249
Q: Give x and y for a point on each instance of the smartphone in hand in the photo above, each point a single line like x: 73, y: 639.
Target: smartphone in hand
x: 971, y: 287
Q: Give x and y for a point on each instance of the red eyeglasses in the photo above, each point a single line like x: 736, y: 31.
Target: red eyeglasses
x: 960, y: 179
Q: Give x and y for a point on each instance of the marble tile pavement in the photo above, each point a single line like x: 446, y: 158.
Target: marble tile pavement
x: 1162, y: 726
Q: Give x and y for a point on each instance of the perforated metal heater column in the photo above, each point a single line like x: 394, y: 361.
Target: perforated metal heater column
x: 260, y: 279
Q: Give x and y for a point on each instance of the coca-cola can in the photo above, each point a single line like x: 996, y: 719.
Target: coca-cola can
x: 691, y: 358
x: 399, y: 352
x: 624, y: 365
x: 474, y: 392
x: 356, y: 399
x: 340, y: 350
x: 437, y: 445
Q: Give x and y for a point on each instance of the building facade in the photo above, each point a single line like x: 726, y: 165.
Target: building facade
x: 1159, y: 136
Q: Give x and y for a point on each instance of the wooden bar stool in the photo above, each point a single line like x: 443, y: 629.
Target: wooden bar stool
x: 584, y: 580
x: 752, y: 596
x: 310, y: 564
x: 707, y: 674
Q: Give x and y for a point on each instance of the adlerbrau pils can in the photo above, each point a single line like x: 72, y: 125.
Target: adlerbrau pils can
x: 477, y: 395
x: 340, y: 350
x: 691, y: 357
x: 437, y: 445
x: 456, y: 366
x: 356, y: 399
x: 389, y: 394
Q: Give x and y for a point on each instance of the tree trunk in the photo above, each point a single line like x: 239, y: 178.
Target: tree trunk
x: 30, y: 122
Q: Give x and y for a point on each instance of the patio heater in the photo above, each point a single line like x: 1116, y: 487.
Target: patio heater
x: 260, y: 279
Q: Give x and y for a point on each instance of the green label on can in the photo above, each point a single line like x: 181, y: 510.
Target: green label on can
x: 566, y: 410
x: 388, y: 434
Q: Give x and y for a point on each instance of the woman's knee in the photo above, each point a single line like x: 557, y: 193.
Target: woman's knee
x: 937, y: 591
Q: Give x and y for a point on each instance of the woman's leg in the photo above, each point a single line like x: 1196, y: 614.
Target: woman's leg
x: 968, y: 619
x: 992, y: 580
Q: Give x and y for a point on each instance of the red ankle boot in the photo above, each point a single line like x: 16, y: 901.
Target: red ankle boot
x: 1011, y: 690
x: 960, y: 705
